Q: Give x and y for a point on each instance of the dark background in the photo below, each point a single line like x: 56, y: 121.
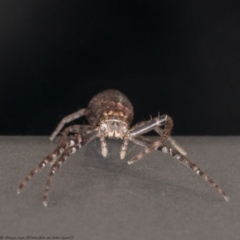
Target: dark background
x: 174, y: 57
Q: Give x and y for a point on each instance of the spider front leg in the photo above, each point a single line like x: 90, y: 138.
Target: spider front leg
x: 165, y: 121
x: 124, y: 147
x: 73, y: 129
x: 150, y: 125
x: 67, y: 119
x: 103, y: 145
x: 145, y: 142
x: 171, y: 141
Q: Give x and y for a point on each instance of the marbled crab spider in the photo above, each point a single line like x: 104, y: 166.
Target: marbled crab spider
x: 110, y: 114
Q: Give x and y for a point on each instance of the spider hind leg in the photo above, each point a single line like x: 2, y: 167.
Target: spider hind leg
x: 145, y: 142
x: 56, y: 166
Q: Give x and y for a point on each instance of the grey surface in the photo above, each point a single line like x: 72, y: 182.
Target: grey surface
x: 96, y: 198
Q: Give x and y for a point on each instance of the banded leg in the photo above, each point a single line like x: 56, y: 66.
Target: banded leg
x: 150, y: 125
x: 103, y: 144
x: 165, y: 149
x: 57, y: 165
x: 124, y: 148
x: 152, y: 146
x: 51, y: 158
x: 155, y: 144
x: 67, y: 119
x: 77, y: 129
x: 171, y: 141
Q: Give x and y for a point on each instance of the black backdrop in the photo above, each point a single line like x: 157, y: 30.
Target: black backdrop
x: 174, y: 57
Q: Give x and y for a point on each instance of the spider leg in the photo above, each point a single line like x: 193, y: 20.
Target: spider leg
x: 177, y: 155
x: 168, y: 125
x: 103, y: 144
x: 51, y: 158
x: 142, y: 141
x: 153, y: 145
x: 124, y: 147
x: 163, y: 120
x: 67, y: 119
x: 171, y: 140
x: 78, y: 143
x: 80, y: 129
x: 56, y: 166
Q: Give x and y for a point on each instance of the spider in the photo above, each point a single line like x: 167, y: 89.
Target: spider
x: 110, y: 114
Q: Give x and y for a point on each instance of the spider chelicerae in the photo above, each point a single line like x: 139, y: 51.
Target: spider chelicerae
x: 110, y: 114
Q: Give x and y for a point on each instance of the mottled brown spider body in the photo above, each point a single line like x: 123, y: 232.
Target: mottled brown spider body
x: 107, y: 101
x: 110, y: 114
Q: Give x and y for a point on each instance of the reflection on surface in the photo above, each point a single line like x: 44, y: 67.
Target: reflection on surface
x: 92, y: 156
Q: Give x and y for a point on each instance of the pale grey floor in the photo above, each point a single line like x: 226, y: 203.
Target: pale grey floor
x: 105, y: 199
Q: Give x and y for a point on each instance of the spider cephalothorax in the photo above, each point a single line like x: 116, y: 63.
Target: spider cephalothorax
x: 110, y: 114
x: 113, y: 124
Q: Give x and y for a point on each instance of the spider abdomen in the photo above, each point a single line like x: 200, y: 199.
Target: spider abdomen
x: 109, y: 100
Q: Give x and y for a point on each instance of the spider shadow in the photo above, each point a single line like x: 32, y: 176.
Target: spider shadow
x: 143, y: 180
